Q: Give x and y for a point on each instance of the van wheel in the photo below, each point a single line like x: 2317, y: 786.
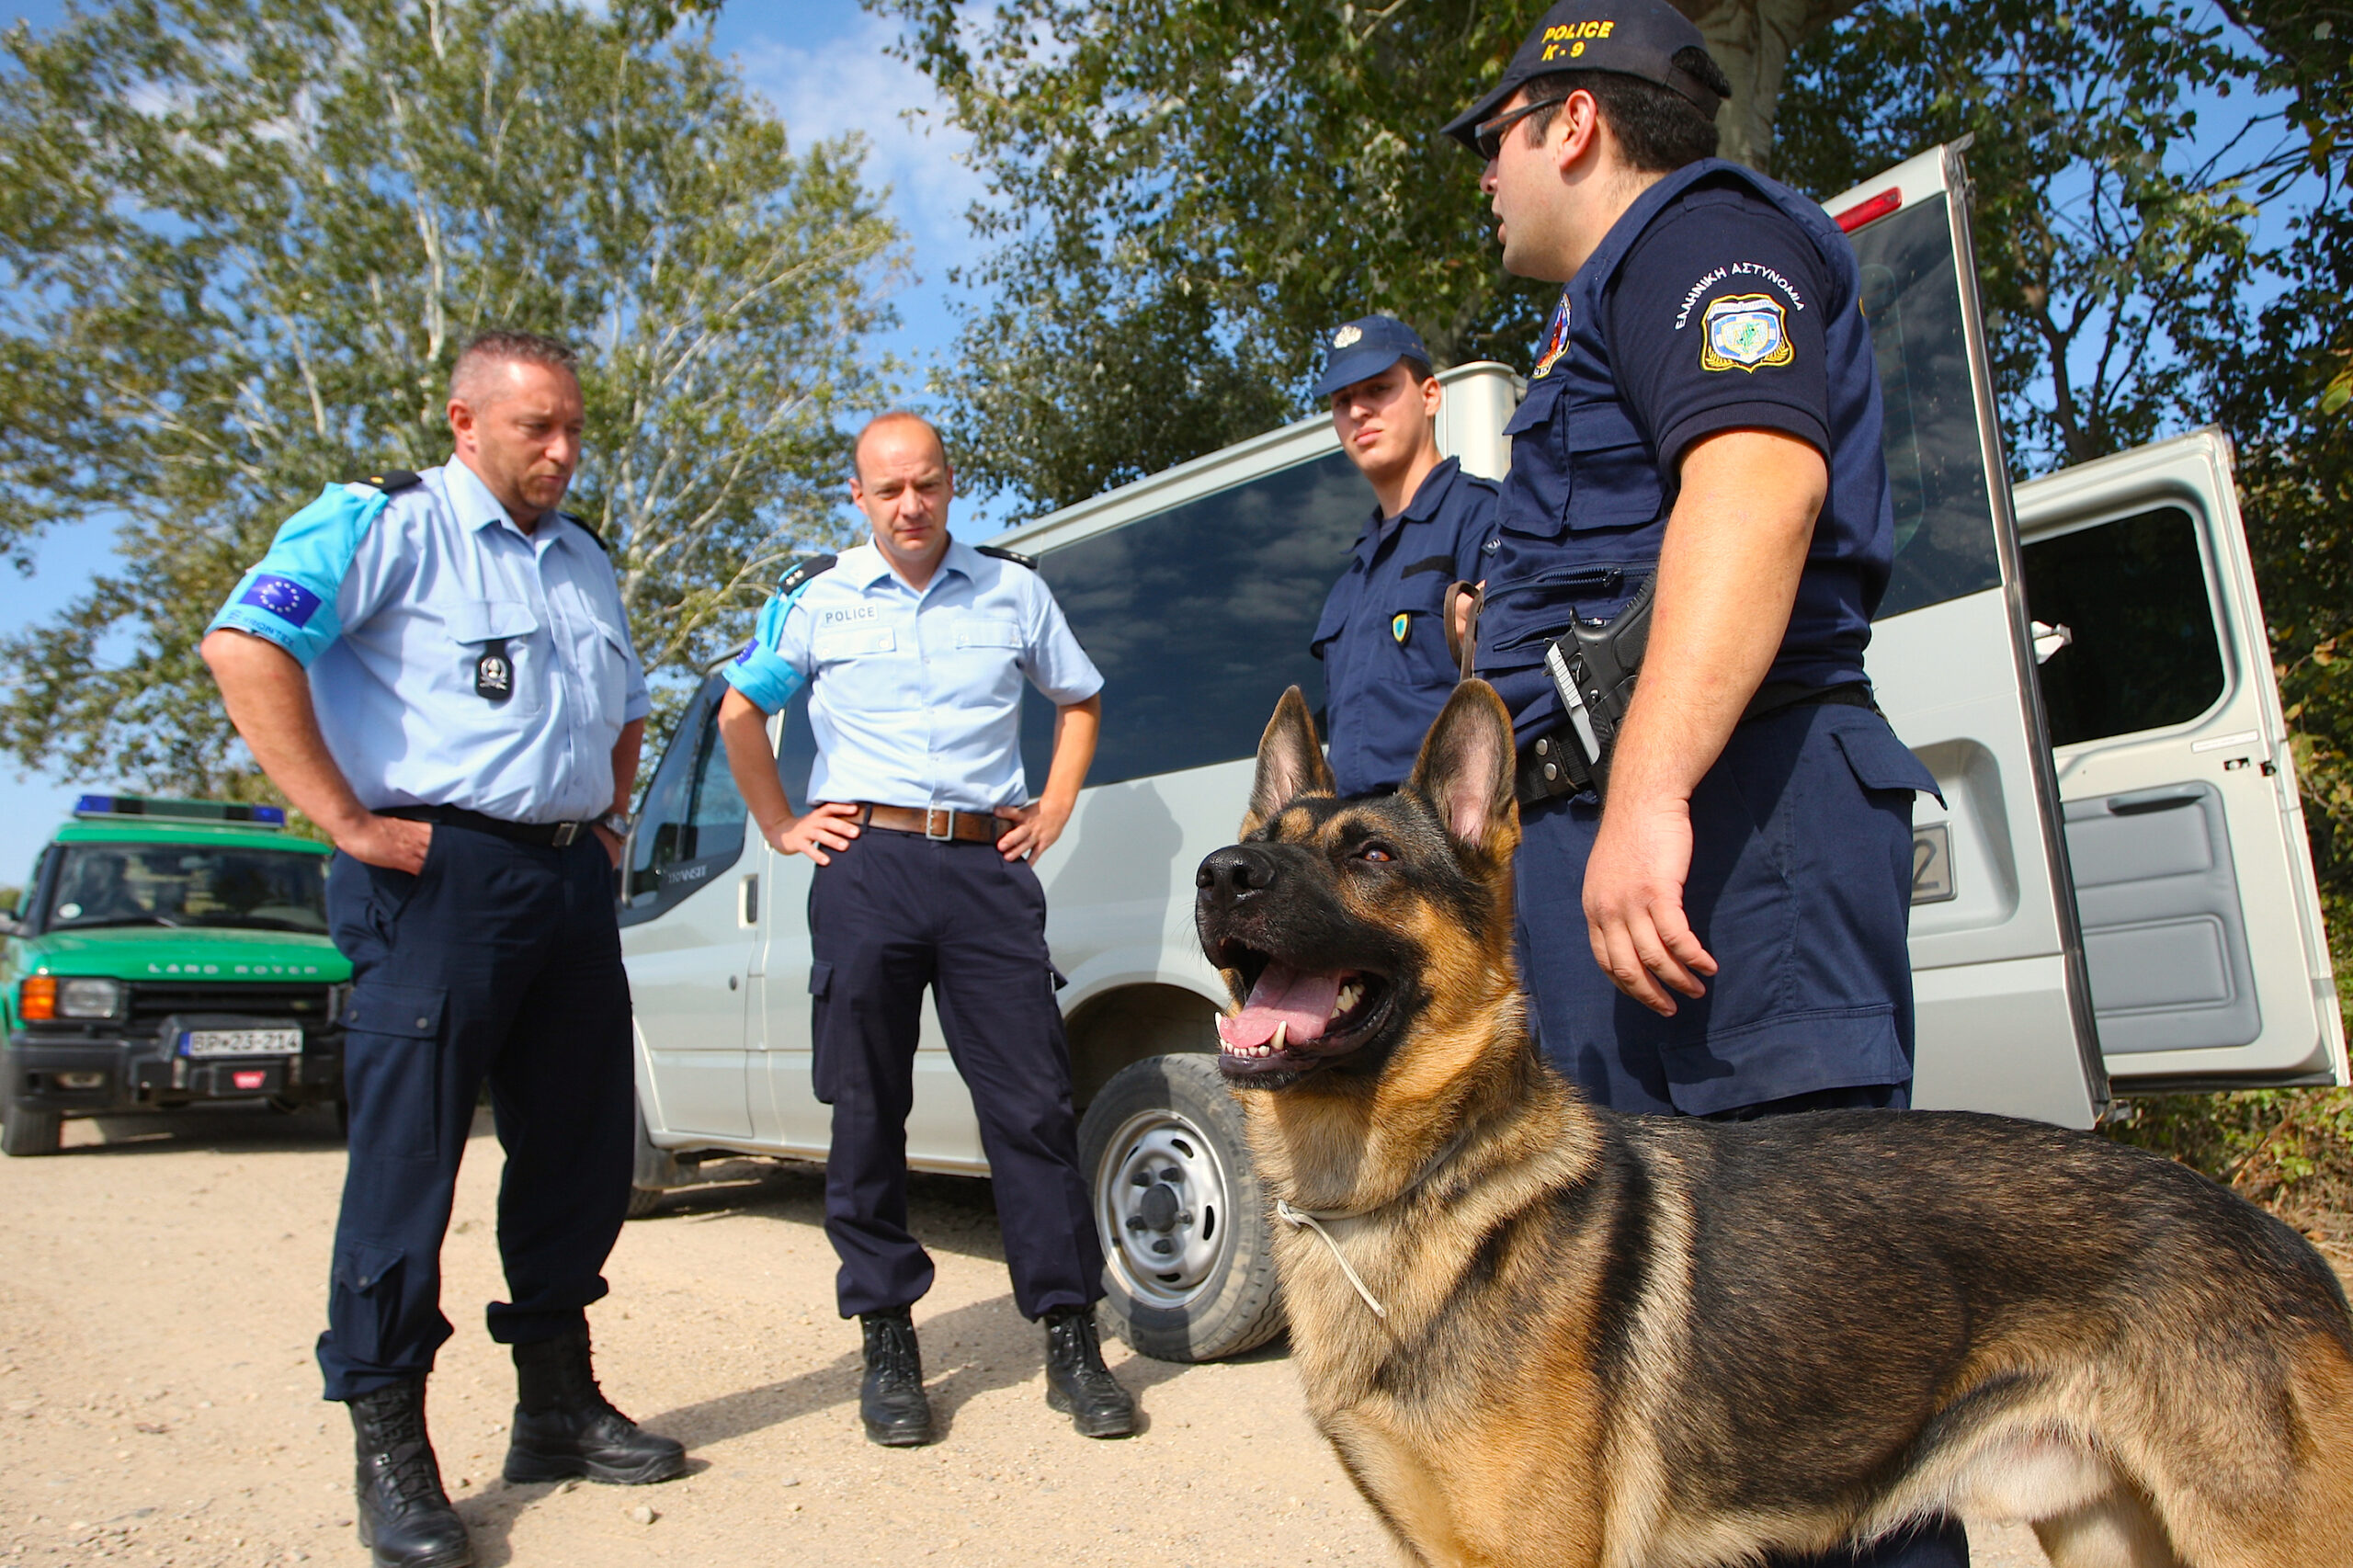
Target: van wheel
x: 644, y: 1201
x: 656, y: 1171
x: 26, y: 1132
x: 1189, y: 1253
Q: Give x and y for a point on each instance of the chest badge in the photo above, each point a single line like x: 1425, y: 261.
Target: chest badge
x: 1399, y: 626
x: 1744, y: 332
x: 495, y: 673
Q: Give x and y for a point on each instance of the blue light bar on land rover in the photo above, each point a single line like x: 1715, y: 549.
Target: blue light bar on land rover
x: 226, y: 813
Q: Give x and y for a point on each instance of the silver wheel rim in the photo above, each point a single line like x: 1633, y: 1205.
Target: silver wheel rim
x: 1160, y: 1207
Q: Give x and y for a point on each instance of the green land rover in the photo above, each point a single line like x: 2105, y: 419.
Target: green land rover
x: 167, y: 952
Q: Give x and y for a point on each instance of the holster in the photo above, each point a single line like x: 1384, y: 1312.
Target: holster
x: 1593, y: 669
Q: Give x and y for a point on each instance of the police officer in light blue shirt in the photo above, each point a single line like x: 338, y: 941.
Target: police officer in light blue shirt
x: 436, y: 668
x: 916, y: 647
x: 1387, y: 665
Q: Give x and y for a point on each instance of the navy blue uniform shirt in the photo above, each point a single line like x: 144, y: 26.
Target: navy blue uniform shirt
x: 1719, y: 300
x: 1382, y: 637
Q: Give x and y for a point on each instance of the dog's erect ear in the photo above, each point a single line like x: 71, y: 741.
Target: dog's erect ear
x: 1291, y: 763
x: 1465, y: 770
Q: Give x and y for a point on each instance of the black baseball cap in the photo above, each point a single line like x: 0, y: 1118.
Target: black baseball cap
x: 1632, y: 38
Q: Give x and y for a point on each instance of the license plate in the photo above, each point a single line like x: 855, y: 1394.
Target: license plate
x: 241, y: 1042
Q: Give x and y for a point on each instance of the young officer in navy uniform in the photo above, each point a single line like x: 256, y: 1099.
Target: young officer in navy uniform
x: 1725, y: 936
x: 1382, y: 639
x: 436, y: 668
x: 914, y: 647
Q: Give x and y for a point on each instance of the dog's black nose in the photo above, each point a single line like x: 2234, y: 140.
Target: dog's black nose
x: 1235, y: 872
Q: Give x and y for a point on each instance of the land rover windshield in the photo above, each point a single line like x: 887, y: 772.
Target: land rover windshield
x: 255, y: 889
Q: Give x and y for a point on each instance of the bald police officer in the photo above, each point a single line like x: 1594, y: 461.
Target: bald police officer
x: 1382, y: 639
x: 914, y: 647
x: 1723, y: 936
x: 436, y: 668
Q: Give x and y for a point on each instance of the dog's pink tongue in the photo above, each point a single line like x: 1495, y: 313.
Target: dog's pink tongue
x: 1283, y: 995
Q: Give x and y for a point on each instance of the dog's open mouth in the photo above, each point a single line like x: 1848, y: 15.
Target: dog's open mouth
x: 1298, y: 1018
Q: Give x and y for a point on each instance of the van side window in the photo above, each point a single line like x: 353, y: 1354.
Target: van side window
x: 1199, y: 615
x: 2144, y: 653
x: 690, y: 822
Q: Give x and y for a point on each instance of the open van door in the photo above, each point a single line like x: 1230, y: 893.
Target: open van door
x: 2004, y: 1012
x: 2202, y: 935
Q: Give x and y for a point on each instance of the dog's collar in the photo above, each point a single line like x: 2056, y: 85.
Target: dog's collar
x: 1313, y: 1218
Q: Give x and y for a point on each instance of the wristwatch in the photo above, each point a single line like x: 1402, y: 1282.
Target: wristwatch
x: 615, y: 823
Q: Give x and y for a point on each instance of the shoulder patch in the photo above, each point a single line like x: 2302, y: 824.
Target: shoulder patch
x: 392, y: 481
x: 1744, y: 332
x: 808, y: 567
x: 1001, y: 553
x: 582, y: 524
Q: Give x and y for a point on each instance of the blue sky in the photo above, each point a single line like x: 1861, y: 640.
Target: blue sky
x: 824, y: 65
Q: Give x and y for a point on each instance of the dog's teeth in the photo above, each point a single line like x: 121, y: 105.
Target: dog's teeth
x: 1281, y: 1027
x: 1348, y: 998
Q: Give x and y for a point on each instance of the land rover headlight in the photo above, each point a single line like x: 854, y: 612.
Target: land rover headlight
x: 88, y: 998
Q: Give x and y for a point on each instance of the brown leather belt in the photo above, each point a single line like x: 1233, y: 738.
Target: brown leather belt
x: 937, y: 823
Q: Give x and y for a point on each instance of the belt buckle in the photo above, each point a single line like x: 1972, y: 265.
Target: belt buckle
x: 946, y: 833
x: 565, y: 832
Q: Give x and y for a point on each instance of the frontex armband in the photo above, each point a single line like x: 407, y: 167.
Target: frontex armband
x: 290, y: 597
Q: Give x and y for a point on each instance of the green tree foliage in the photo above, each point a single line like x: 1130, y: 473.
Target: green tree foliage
x: 243, y: 241
x: 1186, y: 194
x: 2107, y: 234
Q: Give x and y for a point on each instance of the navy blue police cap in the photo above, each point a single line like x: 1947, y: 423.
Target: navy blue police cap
x: 1366, y: 347
x: 1632, y: 38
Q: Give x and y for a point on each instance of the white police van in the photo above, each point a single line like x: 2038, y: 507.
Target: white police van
x: 2116, y: 897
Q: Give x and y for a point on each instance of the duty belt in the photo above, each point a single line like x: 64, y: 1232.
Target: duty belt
x: 1552, y: 764
x: 546, y: 834
x: 937, y: 823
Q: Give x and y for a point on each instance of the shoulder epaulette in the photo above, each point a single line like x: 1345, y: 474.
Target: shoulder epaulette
x: 1004, y: 554
x: 808, y: 567
x: 582, y: 524
x: 392, y: 481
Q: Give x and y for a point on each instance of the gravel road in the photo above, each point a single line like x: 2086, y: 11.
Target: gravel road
x: 163, y: 1282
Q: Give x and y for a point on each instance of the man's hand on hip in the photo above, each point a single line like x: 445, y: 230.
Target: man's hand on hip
x: 1633, y: 901
x: 395, y: 843
x: 824, y: 826
x: 1035, y: 828
x: 611, y: 840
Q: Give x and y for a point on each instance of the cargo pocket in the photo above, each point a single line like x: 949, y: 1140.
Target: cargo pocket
x: 821, y: 1072
x: 393, y: 1069
x: 1535, y: 503
x: 1613, y: 479
x: 365, y: 1313
x: 1880, y: 761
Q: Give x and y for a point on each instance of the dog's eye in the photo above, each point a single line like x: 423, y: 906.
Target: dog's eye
x: 1376, y: 850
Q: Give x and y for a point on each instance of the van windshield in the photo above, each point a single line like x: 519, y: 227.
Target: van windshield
x: 181, y: 885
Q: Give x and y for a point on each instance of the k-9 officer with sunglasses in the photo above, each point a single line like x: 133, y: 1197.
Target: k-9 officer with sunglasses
x: 1714, y: 880
x: 436, y: 668
x: 1387, y: 665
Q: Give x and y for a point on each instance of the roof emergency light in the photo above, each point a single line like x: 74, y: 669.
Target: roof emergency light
x: 228, y: 814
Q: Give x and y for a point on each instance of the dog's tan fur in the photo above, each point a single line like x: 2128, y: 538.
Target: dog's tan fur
x: 1568, y: 1294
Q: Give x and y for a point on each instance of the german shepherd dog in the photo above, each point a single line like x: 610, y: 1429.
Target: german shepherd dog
x: 1538, y: 1333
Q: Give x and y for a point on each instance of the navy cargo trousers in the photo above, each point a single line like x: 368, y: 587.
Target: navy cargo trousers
x: 894, y: 913
x: 497, y: 961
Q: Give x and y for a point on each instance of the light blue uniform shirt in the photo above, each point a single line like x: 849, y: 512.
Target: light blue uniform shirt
x: 388, y: 602
x: 915, y: 698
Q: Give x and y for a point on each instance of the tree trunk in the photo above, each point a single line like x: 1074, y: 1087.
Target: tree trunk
x: 1752, y: 40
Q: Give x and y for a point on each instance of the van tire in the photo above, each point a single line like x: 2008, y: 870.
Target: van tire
x: 24, y: 1132
x: 653, y: 1172
x: 1213, y: 1293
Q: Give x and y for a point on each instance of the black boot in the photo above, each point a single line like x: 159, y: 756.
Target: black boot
x: 564, y: 1426
x: 404, y: 1516
x: 890, y: 1400
x: 1078, y: 1383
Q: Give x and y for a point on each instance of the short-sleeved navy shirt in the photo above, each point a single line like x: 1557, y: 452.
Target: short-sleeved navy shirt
x: 1722, y: 270
x: 1382, y: 635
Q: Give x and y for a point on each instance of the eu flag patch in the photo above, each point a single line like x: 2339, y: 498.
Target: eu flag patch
x: 283, y: 597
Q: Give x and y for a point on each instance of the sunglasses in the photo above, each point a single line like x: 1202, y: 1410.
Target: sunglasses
x: 1488, y: 134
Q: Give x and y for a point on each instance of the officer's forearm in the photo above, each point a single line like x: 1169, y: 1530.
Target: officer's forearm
x: 268, y: 698
x: 1727, y: 577
x: 1076, y: 728
x: 625, y: 754
x: 744, y: 729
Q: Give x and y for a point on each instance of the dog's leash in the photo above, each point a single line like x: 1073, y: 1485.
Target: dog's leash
x: 1313, y: 1218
